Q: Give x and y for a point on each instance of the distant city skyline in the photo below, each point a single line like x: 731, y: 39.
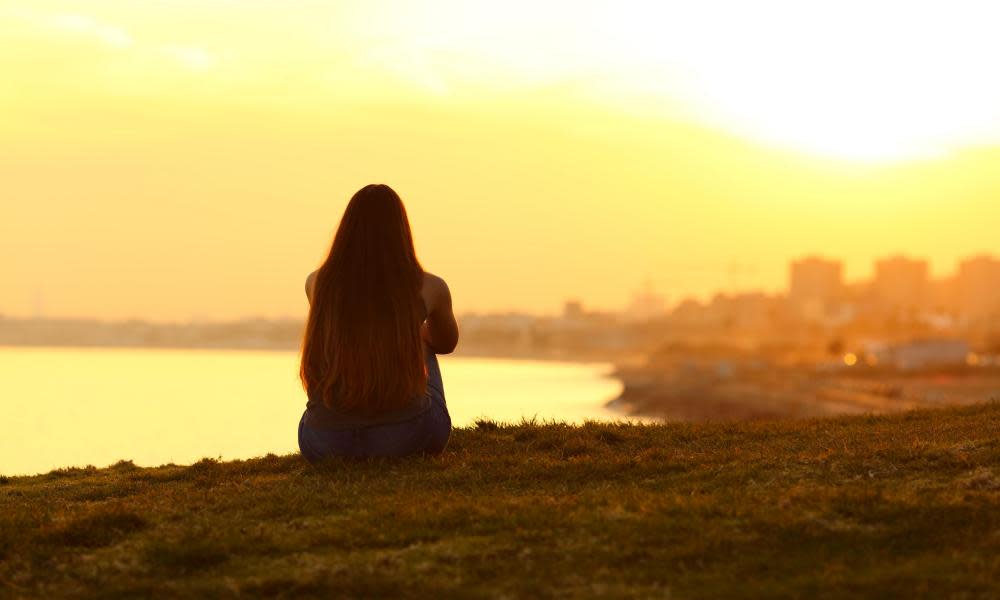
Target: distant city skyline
x: 819, y: 276
x: 812, y: 278
x: 897, y: 278
x: 817, y: 312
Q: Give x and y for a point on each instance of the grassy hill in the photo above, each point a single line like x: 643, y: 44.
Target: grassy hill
x: 906, y: 505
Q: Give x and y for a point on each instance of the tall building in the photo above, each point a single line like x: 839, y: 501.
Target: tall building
x: 816, y: 286
x: 901, y: 284
x: 978, y: 288
x: 942, y: 294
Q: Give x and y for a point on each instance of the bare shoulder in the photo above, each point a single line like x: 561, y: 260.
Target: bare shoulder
x: 433, y: 282
x: 435, y: 291
x: 311, y: 284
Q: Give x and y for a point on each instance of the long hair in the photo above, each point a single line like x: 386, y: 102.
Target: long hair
x: 362, y: 349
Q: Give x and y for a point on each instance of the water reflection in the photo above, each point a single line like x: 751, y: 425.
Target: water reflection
x: 65, y: 407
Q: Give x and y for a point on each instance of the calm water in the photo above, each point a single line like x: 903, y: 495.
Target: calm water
x: 74, y: 407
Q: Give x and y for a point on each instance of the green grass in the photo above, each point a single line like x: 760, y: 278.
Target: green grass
x: 906, y: 505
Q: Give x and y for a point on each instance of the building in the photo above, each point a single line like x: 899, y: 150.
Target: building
x: 747, y: 311
x: 901, y: 285
x: 924, y: 354
x: 942, y: 295
x: 816, y: 287
x: 646, y: 304
x: 573, y: 310
x: 978, y: 288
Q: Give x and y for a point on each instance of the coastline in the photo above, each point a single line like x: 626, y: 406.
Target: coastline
x: 566, y: 357
x: 769, y: 392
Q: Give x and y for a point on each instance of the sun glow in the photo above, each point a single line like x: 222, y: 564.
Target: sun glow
x: 870, y: 81
x: 858, y: 80
x: 883, y: 80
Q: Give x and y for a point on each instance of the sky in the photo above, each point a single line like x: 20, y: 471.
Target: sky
x: 179, y: 160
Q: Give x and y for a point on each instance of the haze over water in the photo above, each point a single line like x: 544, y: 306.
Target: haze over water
x: 77, y: 407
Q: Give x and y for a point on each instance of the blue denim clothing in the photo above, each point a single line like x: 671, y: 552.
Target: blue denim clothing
x: 427, y: 433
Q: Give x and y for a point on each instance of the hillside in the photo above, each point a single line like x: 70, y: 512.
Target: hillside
x: 906, y: 505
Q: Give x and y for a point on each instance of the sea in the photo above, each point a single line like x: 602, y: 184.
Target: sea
x: 74, y: 407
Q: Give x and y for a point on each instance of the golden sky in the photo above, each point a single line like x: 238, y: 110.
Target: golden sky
x: 183, y: 159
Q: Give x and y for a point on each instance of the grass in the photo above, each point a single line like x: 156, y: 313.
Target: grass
x: 906, y: 505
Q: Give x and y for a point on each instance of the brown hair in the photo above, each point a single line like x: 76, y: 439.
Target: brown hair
x: 362, y: 349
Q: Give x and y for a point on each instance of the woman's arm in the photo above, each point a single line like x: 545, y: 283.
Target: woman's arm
x: 440, y: 330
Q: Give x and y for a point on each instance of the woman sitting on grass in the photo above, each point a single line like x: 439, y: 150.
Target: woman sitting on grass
x: 376, y: 323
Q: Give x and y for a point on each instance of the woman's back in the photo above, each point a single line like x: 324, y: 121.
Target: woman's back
x: 376, y: 323
x: 439, y: 334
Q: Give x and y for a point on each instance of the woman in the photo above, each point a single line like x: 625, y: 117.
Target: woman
x: 376, y: 323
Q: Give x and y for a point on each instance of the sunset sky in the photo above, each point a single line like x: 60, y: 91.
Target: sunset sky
x: 191, y: 159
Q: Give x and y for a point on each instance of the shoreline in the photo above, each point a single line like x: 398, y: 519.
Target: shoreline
x: 797, y: 393
x: 558, y: 357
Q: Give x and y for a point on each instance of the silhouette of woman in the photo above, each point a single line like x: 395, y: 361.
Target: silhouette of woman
x: 377, y: 321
